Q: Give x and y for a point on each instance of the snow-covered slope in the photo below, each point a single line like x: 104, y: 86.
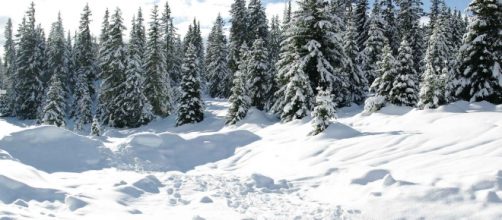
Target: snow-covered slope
x: 398, y: 163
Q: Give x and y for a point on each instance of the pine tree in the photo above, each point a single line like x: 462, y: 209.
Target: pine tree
x: 238, y: 32
x: 390, y: 25
x: 409, y: 26
x: 56, y: 56
x: 191, y: 109
x: 28, y: 83
x: 374, y: 45
x: 405, y: 87
x: 323, y: 112
x: 436, y: 6
x: 218, y: 74
x: 85, y: 70
x: 173, y: 64
x: 258, y: 78
x: 135, y: 103
x: 432, y: 88
x: 95, y: 127
x: 357, y: 81
x: 257, y: 22
x: 9, y: 67
x: 103, y: 38
x: 157, y: 86
x: 387, y: 72
x: 479, y: 75
x: 113, y: 75
x: 53, y: 111
x: 361, y: 23
x: 239, y: 100
x: 274, y: 52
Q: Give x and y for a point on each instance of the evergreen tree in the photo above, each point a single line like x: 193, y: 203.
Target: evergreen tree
x: 275, y: 48
x: 323, y: 112
x: 238, y: 32
x: 29, y: 85
x: 103, y: 38
x: 258, y: 75
x: 9, y: 67
x: 432, y: 88
x: 361, y: 23
x: 157, y: 86
x: 409, y: 26
x: 257, y: 22
x: 357, y: 81
x: 479, y: 76
x: 239, y: 100
x: 113, y: 75
x: 53, y: 111
x: 95, y: 127
x: 85, y: 70
x: 56, y: 58
x: 173, y: 63
x: 387, y: 74
x: 135, y: 103
x: 405, y: 87
x: 219, y: 77
x: 390, y: 25
x: 436, y: 6
x: 374, y: 45
x: 191, y: 109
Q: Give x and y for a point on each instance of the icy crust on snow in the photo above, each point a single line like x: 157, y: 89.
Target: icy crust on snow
x: 397, y: 162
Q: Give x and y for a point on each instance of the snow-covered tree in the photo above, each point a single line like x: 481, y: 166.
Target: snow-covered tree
x: 405, y: 87
x: 113, y: 73
x: 239, y: 100
x: 275, y: 38
x: 409, y: 17
x: 324, y: 111
x: 390, y: 25
x: 53, y: 111
x: 56, y: 59
x: 172, y: 63
x: 7, y: 107
x: 85, y: 70
x: 238, y: 32
x: 374, y: 45
x: 387, y: 73
x: 357, y: 82
x: 95, y: 127
x: 258, y: 74
x: 191, y: 109
x: 157, y: 86
x: 479, y: 75
x: 28, y: 77
x: 432, y: 87
x: 362, y: 28
x: 218, y: 75
x: 257, y: 22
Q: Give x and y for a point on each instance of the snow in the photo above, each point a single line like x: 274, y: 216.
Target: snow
x: 397, y: 163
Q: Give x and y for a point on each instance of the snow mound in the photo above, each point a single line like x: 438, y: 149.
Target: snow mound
x: 167, y: 152
x: 264, y: 182
x: 53, y: 149
x: 75, y: 203
x: 372, y: 176
x: 12, y: 190
x: 148, y: 184
x: 339, y: 131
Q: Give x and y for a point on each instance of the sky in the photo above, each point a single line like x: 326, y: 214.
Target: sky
x: 183, y: 11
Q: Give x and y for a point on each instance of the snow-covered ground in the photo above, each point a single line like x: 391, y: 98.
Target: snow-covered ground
x: 400, y: 163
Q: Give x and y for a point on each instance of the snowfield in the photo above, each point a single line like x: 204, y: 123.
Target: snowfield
x: 399, y: 163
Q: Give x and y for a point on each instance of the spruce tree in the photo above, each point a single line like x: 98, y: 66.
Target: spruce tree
x: 362, y: 26
x: 157, y: 86
x: 9, y: 68
x: 238, y: 32
x: 479, y: 76
x: 95, y: 127
x: 172, y: 61
x: 28, y: 82
x: 257, y: 22
x: 432, y: 87
x: 274, y: 52
x: 387, y: 72
x: 258, y: 75
x: 85, y: 70
x: 239, y: 100
x: 390, y: 25
x: 191, y: 109
x: 113, y: 74
x: 53, y: 111
x: 374, y: 45
x: 357, y: 81
x: 218, y: 74
x: 324, y: 111
x: 405, y: 87
x: 56, y: 58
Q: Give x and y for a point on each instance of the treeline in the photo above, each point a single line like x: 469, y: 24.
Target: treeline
x: 323, y: 56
